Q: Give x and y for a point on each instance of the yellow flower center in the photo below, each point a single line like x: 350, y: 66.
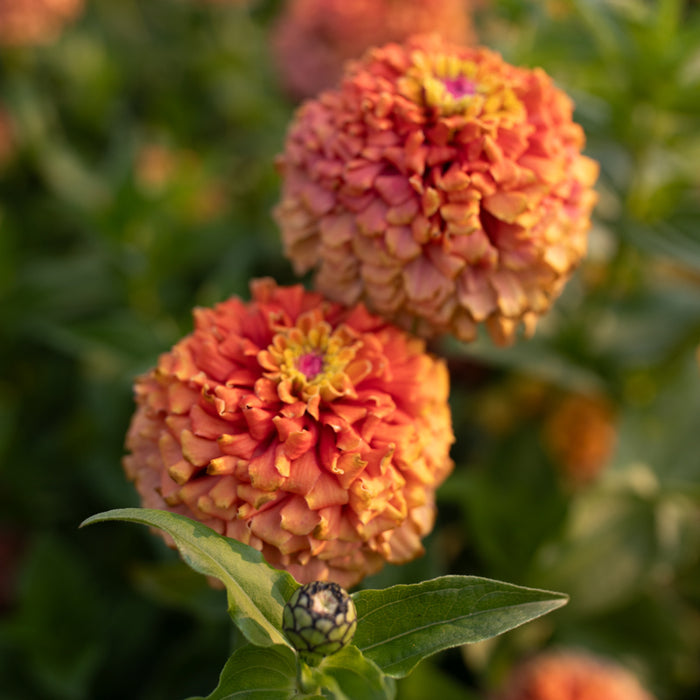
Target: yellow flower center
x: 310, y: 359
x: 457, y: 86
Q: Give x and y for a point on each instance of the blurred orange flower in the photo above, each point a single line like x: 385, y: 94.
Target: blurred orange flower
x: 182, y: 181
x: 35, y: 21
x: 314, y: 433
x: 580, y: 434
x: 571, y: 676
x: 440, y: 185
x: 312, y: 39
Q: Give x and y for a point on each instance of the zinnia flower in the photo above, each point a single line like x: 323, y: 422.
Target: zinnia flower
x: 35, y: 21
x: 571, y: 676
x: 314, y: 433
x: 442, y: 186
x: 312, y: 39
x: 580, y: 434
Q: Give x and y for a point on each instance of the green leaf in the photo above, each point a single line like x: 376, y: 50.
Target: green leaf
x: 354, y: 677
x: 256, y: 592
x: 260, y: 673
x: 399, y: 626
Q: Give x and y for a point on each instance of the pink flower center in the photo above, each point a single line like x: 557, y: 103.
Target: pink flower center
x: 460, y: 86
x: 310, y: 364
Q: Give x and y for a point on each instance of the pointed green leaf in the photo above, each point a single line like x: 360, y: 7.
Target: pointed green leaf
x: 256, y: 592
x: 257, y: 673
x: 399, y: 626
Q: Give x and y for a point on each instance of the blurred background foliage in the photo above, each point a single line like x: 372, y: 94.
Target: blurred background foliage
x: 139, y: 184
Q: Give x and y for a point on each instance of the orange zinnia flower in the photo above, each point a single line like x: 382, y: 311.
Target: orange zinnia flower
x: 571, y: 676
x: 440, y: 185
x: 314, y: 433
x: 35, y: 21
x: 312, y: 39
x: 580, y: 434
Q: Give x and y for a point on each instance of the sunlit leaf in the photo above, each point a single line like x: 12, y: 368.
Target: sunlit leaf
x: 399, y: 626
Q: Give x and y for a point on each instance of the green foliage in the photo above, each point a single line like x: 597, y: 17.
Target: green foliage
x: 255, y: 672
x: 397, y: 627
x: 103, y: 256
x: 62, y: 663
x: 256, y: 592
x: 401, y: 625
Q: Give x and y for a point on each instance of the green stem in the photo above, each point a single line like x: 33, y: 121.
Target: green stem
x: 306, y: 683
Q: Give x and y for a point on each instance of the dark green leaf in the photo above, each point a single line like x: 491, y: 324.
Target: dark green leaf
x: 256, y: 592
x: 261, y: 673
x: 399, y: 626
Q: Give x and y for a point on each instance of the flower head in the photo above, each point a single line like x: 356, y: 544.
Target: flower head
x: 571, y: 676
x: 312, y: 39
x: 315, y: 433
x: 35, y: 21
x: 440, y: 185
x: 319, y: 619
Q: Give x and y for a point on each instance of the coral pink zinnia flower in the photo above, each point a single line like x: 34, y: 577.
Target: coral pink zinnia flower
x: 35, y: 21
x: 315, y: 433
x: 571, y: 676
x: 442, y: 186
x: 312, y: 39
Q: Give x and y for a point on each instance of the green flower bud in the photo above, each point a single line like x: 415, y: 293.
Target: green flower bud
x: 319, y: 619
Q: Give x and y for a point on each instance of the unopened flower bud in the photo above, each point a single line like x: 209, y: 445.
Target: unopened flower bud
x: 319, y: 619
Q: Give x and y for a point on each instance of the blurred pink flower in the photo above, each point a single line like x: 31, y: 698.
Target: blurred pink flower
x: 25, y: 22
x: 314, y: 433
x: 571, y: 676
x: 312, y: 39
x: 440, y: 185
